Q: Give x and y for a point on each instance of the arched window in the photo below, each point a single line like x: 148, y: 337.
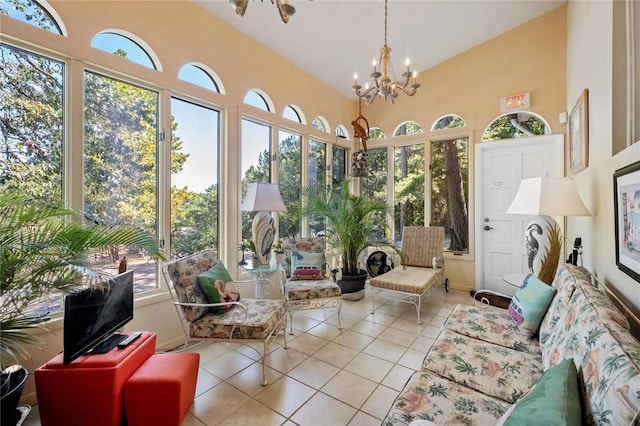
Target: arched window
x: 258, y: 100
x: 293, y: 113
x: 199, y: 75
x: 376, y: 133
x: 448, y: 122
x: 408, y: 128
x: 341, y: 132
x: 126, y: 46
x: 516, y: 125
x: 320, y: 123
x: 39, y: 14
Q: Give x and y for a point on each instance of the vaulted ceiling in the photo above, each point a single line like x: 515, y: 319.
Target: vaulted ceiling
x: 332, y: 39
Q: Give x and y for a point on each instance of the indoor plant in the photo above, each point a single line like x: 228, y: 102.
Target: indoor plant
x: 44, y: 249
x: 354, y: 223
x: 279, y: 252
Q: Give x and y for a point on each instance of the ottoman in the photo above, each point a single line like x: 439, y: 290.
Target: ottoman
x: 161, y: 391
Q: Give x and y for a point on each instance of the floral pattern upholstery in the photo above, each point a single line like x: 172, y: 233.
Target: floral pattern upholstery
x: 428, y: 396
x: 311, y: 289
x: 263, y: 315
x: 183, y: 275
x: 473, y: 357
x: 491, y: 324
x: 494, y: 370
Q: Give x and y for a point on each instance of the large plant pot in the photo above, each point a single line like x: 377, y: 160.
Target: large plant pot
x: 13, y: 378
x: 351, y: 283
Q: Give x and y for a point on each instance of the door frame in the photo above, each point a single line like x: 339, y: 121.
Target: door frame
x: 557, y: 139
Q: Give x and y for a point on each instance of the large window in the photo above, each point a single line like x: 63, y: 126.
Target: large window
x: 374, y: 185
x: 31, y: 123
x: 409, y: 188
x: 120, y: 166
x: 317, y: 176
x: 338, y: 164
x: 449, y: 191
x: 194, y: 178
x: 290, y: 182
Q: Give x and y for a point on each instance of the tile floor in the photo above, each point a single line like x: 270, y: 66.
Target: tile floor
x: 327, y: 376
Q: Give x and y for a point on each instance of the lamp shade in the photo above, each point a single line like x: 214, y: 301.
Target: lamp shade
x: 263, y: 197
x: 553, y: 196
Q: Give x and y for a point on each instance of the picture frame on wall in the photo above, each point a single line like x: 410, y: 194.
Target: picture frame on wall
x: 578, y: 131
x: 626, y: 190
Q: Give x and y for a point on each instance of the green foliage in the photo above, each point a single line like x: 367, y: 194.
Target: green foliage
x: 502, y: 128
x: 354, y: 222
x: 45, y: 248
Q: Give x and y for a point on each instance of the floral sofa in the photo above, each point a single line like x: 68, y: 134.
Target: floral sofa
x: 482, y: 365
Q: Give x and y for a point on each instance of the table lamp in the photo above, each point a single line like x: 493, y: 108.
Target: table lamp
x: 263, y: 198
x: 543, y: 197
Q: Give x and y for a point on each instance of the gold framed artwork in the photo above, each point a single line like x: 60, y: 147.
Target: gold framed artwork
x: 578, y: 131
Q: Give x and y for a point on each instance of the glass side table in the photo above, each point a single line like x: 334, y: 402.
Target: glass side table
x: 262, y: 273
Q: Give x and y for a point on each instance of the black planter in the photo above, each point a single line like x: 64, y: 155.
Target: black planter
x: 15, y: 380
x: 351, y: 283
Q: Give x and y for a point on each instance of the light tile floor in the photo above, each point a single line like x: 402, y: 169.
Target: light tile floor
x: 327, y: 376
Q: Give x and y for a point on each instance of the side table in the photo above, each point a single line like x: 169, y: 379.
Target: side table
x: 262, y: 273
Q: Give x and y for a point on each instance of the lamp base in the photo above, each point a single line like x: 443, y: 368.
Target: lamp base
x: 543, y: 242
x: 263, y: 231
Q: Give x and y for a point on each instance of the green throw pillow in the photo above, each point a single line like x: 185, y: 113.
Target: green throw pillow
x: 207, y: 282
x: 530, y: 303
x: 307, y: 265
x: 553, y: 401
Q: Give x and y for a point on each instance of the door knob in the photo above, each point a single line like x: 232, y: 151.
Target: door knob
x: 488, y: 228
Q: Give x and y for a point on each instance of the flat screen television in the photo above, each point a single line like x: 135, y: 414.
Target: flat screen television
x: 93, y: 315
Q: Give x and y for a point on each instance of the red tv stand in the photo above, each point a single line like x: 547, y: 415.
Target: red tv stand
x: 89, y: 391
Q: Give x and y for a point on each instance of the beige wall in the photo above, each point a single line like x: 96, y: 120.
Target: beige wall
x: 589, y: 59
x: 530, y: 58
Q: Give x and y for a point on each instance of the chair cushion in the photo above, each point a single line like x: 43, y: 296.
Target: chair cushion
x: 263, y: 316
x: 408, y: 279
x: 420, y: 244
x: 183, y: 273
x: 530, y: 303
x: 311, y: 289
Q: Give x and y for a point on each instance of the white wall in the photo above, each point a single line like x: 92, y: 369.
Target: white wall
x: 589, y: 65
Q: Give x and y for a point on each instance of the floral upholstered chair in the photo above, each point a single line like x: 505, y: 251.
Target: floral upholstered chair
x: 304, y: 283
x: 242, y: 321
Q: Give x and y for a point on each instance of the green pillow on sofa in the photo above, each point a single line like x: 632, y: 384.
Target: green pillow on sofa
x: 530, y: 303
x: 553, y: 401
x: 217, y: 287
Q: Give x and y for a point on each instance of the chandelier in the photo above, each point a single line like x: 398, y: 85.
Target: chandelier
x: 385, y: 85
x: 284, y: 8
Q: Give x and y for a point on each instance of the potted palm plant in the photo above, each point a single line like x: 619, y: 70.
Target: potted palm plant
x: 44, y: 249
x: 354, y: 223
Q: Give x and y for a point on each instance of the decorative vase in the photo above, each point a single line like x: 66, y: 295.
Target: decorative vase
x: 255, y: 262
x: 280, y: 258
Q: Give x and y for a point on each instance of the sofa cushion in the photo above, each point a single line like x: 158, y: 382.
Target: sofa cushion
x: 553, y: 401
x: 427, y: 396
x: 311, y: 289
x: 491, y: 324
x: 530, y: 303
x: 494, y: 370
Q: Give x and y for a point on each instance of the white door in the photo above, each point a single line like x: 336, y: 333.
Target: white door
x: 500, y: 166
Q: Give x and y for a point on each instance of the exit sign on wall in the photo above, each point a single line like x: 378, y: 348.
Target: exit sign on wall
x: 515, y: 102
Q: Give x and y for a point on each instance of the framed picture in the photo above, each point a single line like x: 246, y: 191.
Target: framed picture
x: 626, y: 190
x: 578, y: 131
